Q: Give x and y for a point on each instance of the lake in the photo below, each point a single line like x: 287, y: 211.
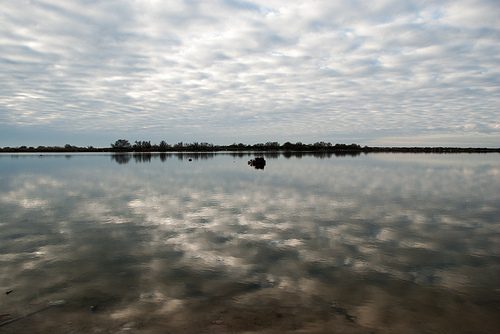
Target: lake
x: 205, y: 243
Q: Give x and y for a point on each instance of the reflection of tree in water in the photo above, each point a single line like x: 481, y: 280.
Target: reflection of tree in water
x: 139, y: 157
x: 121, y: 158
x: 142, y: 157
x: 196, y: 156
x: 321, y: 155
x: 124, y: 158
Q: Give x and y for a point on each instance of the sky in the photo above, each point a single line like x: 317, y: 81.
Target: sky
x: 376, y: 73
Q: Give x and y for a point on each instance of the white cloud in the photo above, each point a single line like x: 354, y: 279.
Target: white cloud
x: 242, y: 71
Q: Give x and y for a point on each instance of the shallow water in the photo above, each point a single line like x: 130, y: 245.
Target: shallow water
x: 157, y: 243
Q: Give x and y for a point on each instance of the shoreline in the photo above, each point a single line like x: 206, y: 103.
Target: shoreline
x: 333, y: 150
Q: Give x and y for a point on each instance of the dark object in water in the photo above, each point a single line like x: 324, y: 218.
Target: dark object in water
x: 7, y: 292
x: 258, y: 163
x: 342, y: 311
x: 51, y: 304
x: 24, y: 316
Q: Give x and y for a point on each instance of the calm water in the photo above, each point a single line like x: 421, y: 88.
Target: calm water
x: 159, y: 244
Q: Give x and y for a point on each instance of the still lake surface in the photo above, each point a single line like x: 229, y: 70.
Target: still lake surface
x: 155, y: 243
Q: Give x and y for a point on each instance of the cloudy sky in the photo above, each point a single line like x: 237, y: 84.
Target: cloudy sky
x: 381, y: 72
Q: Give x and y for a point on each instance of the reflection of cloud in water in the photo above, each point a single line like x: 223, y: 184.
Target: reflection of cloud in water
x: 351, y: 230
x: 271, y: 215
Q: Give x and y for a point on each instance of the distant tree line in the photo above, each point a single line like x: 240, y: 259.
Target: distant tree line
x: 146, y: 146
x: 123, y: 145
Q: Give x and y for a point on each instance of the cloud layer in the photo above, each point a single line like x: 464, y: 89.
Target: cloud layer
x: 227, y: 70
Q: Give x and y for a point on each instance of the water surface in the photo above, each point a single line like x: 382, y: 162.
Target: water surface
x: 312, y: 243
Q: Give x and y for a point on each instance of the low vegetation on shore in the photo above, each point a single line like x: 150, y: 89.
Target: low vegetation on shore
x: 123, y: 145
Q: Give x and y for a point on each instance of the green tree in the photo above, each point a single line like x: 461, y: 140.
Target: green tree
x: 179, y: 146
x: 287, y: 146
x: 137, y: 145
x: 121, y: 143
x: 272, y: 145
x: 164, y: 146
